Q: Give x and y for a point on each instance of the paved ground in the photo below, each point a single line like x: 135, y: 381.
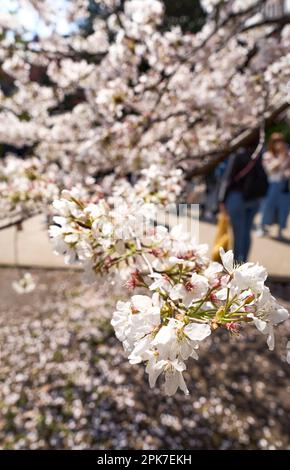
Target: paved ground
x: 34, y: 247
x: 65, y: 382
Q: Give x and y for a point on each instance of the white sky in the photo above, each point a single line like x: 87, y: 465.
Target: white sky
x: 30, y: 20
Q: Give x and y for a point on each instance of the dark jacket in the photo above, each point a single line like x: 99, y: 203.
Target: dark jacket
x: 252, y: 184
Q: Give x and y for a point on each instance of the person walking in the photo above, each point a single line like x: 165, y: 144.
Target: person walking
x: 277, y: 203
x: 242, y: 189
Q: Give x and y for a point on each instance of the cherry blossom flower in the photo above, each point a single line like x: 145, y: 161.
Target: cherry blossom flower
x: 172, y: 373
x: 194, y: 289
x: 25, y: 285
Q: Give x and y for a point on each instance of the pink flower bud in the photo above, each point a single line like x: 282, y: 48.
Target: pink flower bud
x: 232, y: 327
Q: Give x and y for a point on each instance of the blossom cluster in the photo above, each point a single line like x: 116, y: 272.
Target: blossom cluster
x: 24, y: 188
x: 106, y: 234
x: 155, y: 184
x: 189, y: 302
x: 25, y: 284
x: 182, y: 297
x: 29, y: 186
x: 131, y: 93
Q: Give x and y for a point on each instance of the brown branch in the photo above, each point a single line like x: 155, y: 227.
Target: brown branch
x: 282, y: 21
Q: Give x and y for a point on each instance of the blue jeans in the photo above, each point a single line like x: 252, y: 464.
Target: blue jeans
x: 276, y: 206
x: 242, y: 214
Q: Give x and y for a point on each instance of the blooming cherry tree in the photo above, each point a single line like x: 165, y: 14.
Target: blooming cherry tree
x: 82, y: 111
x: 129, y: 92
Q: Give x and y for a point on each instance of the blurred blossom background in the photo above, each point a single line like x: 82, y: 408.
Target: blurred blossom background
x: 98, y: 97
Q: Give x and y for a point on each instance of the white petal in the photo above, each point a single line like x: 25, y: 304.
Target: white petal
x: 227, y: 259
x: 271, y: 339
x: 164, y: 335
x: 177, y: 292
x: 288, y: 352
x: 197, y: 331
x: 141, y: 302
x: 279, y: 316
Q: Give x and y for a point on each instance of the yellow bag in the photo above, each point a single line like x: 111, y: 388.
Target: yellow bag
x: 223, y: 236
